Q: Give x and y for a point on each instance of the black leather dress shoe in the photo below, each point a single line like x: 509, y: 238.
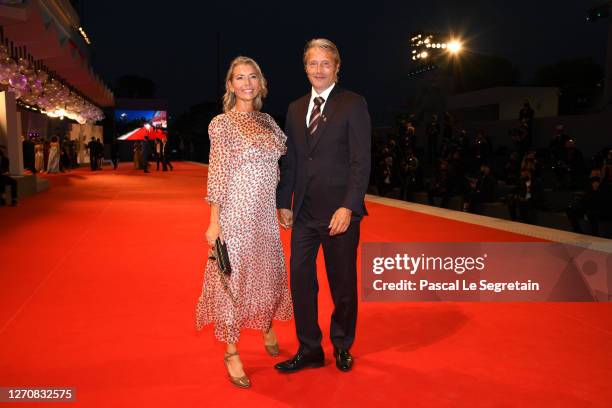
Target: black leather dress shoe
x: 301, y: 361
x: 344, y: 360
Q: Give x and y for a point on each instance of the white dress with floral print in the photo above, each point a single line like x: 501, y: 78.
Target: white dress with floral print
x: 242, y: 177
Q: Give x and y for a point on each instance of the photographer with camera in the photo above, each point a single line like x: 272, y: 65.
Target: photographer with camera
x: 512, y: 169
x: 432, y: 132
x: 557, y: 144
x: 410, y: 175
x: 606, y: 168
x: 569, y: 168
x: 480, y: 190
x: 525, y: 198
x: 441, y: 186
x: 531, y: 163
x: 594, y: 205
x: 526, y: 116
x: 387, y: 177
x: 408, y: 137
x: 481, y: 150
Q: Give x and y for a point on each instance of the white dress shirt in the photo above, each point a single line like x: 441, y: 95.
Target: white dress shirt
x: 314, y: 94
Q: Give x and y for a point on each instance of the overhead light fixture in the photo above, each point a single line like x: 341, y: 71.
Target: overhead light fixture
x: 84, y: 35
x: 454, y: 46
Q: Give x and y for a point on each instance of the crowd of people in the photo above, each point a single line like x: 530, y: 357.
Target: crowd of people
x: 58, y: 155
x: 54, y: 155
x: 40, y: 155
x: 454, y: 162
x: 95, y: 148
x: 160, y: 152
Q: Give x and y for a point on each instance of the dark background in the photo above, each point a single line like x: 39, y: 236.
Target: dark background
x: 174, y: 43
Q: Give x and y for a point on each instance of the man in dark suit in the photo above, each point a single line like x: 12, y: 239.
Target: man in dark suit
x: 158, y: 153
x: 92, y: 146
x: 28, y: 154
x: 114, y: 153
x: 146, y: 150
x: 165, y: 151
x: 5, y: 179
x: 99, y: 153
x: 326, y: 172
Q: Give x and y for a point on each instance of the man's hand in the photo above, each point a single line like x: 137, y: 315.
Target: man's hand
x: 285, y: 217
x: 340, y: 221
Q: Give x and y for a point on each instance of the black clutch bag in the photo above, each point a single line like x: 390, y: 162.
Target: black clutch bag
x: 222, y: 257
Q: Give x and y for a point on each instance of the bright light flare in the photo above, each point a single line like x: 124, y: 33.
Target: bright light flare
x: 454, y: 46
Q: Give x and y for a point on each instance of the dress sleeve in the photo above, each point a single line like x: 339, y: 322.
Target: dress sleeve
x: 218, y: 162
x: 280, y: 137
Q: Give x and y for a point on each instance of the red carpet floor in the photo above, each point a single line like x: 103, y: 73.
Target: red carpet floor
x: 99, y: 276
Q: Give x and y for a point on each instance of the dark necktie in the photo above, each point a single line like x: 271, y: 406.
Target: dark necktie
x: 315, y: 115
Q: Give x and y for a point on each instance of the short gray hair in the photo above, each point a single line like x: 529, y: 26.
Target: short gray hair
x: 325, y: 44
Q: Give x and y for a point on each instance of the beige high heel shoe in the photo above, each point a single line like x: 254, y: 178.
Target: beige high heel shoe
x: 242, y: 382
x: 271, y: 349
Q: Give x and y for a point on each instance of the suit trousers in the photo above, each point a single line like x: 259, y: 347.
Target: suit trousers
x: 340, y: 254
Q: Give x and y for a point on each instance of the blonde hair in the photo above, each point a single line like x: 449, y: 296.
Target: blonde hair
x: 325, y: 44
x: 229, y: 98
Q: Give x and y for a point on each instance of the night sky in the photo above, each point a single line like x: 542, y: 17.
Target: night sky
x: 174, y: 43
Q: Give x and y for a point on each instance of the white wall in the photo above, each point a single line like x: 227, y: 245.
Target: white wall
x: 10, y: 132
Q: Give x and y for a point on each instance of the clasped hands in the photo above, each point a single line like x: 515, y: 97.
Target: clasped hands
x: 285, y: 218
x: 339, y: 223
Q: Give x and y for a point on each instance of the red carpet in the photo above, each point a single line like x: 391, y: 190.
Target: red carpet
x: 100, y: 274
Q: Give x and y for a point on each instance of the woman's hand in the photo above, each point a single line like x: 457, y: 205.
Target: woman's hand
x: 212, y: 233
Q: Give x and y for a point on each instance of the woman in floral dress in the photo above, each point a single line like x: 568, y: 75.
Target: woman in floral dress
x: 243, y: 172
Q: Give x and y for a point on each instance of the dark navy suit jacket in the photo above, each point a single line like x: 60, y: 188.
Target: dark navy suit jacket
x: 330, y: 169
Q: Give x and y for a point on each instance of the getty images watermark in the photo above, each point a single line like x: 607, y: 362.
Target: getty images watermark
x: 525, y: 271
